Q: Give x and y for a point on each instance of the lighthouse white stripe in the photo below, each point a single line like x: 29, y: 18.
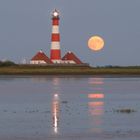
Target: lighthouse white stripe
x: 55, y: 46
x: 55, y: 29
x: 55, y: 43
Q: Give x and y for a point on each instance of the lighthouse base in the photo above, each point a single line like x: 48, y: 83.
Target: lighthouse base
x: 55, y: 61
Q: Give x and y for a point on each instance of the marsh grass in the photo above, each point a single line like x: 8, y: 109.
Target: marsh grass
x: 66, y: 70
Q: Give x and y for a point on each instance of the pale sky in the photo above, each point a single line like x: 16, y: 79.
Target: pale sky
x: 25, y: 28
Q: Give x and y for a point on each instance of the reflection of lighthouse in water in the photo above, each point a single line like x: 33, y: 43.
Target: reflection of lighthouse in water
x: 55, y: 112
x: 56, y: 104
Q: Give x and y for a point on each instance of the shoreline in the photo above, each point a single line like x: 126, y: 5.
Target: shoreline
x: 83, y: 71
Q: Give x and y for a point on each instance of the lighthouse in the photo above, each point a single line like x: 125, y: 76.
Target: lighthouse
x: 55, y: 52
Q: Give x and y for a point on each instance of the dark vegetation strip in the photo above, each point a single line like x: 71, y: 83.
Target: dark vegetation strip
x: 125, y: 110
x: 10, y: 68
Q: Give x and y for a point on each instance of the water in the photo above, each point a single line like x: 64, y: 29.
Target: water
x: 69, y: 107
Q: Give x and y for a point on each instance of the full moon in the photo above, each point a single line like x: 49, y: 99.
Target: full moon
x: 96, y: 43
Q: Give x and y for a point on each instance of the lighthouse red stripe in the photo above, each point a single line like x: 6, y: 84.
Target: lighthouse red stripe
x: 55, y: 55
x: 55, y: 21
x: 55, y: 37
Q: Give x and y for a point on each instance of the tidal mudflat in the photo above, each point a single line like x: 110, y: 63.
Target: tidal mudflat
x: 69, y: 108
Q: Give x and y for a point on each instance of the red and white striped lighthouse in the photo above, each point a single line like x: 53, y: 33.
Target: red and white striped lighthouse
x: 55, y: 54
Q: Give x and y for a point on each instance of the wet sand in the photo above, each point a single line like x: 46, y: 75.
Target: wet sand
x: 104, y: 136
